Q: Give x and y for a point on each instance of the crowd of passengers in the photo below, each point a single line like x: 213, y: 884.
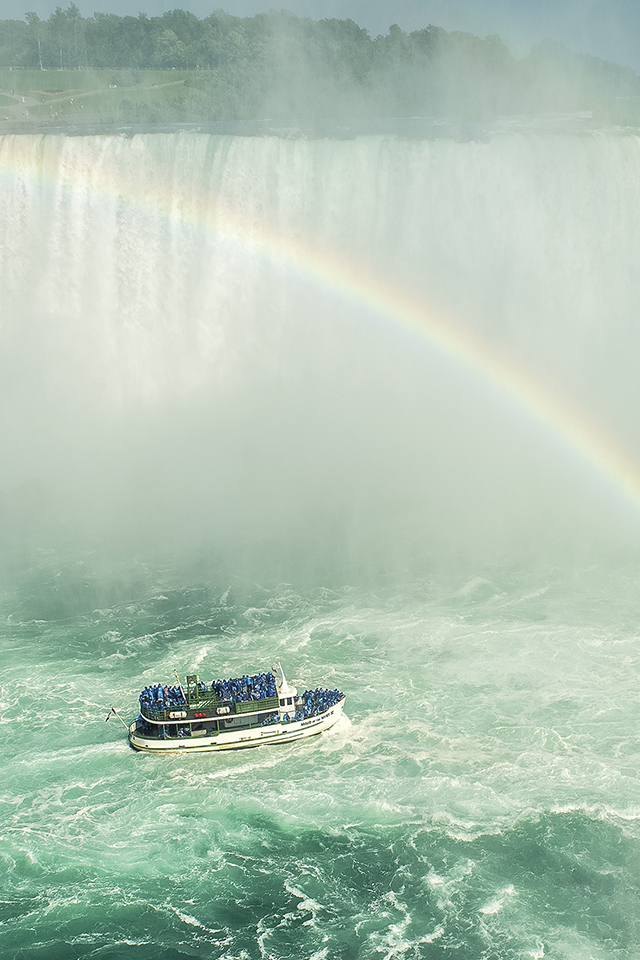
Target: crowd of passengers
x: 316, y: 701
x: 258, y: 687
x: 157, y: 697
x: 310, y: 704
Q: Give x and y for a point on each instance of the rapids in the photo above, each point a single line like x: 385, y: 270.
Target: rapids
x: 480, y: 799
x: 216, y: 455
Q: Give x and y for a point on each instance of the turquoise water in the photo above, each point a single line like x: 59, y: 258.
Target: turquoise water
x: 480, y: 799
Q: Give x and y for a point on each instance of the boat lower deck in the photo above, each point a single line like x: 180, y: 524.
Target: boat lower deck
x: 221, y: 735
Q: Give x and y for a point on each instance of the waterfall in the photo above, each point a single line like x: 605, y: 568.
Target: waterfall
x: 175, y: 348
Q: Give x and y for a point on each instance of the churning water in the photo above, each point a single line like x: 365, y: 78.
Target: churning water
x: 217, y: 455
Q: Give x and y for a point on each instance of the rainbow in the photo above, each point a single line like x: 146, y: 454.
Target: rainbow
x: 333, y: 274
x: 500, y: 371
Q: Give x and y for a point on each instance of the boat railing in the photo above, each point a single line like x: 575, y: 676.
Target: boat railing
x: 204, y: 696
x: 212, y: 703
x: 150, y: 714
x: 256, y: 706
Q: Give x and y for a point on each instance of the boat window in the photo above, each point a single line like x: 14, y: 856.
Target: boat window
x: 282, y: 701
x: 289, y: 701
x: 237, y: 723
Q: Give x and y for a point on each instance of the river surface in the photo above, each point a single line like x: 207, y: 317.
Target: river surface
x: 480, y: 799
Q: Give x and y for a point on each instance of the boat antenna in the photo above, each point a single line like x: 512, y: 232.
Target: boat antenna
x: 116, y: 714
x: 180, y: 685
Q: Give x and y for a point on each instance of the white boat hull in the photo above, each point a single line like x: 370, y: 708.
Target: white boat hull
x: 237, y: 740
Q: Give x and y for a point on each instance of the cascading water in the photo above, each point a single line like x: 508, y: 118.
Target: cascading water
x: 178, y: 347
x: 219, y: 452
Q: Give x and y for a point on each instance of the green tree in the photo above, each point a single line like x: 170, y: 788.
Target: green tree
x: 169, y: 51
x: 114, y: 41
x: 222, y: 41
x: 16, y: 44
x: 66, y: 30
x: 36, y: 25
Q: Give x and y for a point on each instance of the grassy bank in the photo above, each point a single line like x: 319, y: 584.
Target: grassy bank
x: 93, y: 95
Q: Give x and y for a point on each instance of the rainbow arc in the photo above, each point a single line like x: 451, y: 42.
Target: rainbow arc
x: 334, y: 274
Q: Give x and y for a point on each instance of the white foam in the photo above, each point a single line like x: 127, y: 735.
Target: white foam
x: 306, y: 902
x: 200, y: 657
x: 495, y: 906
x: 431, y: 937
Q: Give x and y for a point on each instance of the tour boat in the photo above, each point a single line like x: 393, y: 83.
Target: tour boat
x: 230, y: 714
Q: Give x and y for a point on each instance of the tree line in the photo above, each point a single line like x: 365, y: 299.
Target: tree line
x: 279, y: 65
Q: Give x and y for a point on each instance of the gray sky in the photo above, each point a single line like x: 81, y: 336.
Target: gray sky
x: 605, y: 28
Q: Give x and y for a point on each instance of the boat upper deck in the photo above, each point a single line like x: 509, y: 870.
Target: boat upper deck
x: 196, y: 700
x: 243, y: 696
